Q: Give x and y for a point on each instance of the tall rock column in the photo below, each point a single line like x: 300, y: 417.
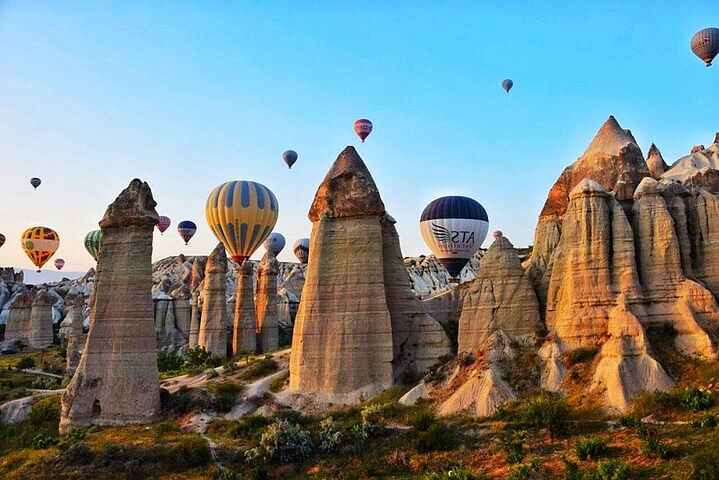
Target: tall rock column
x: 213, y: 324
x: 244, y: 335
x: 195, y: 314
x: 116, y: 380
x: 342, y: 346
x: 266, y: 305
x: 40, y: 326
x: 75, y: 336
x: 18, y: 319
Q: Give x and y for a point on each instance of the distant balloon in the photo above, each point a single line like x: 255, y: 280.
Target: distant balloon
x: 163, y: 224
x: 40, y: 243
x: 507, y: 84
x: 2, y: 239
x: 187, y: 230
x: 275, y: 243
x: 454, y: 229
x: 302, y: 250
x: 92, y: 243
x: 290, y: 157
x: 363, y: 128
x: 59, y: 263
x: 35, y: 182
x: 705, y: 44
x: 241, y: 214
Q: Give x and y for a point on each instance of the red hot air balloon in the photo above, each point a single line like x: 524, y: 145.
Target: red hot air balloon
x: 705, y: 44
x: 59, y: 263
x: 363, y: 128
x: 163, y: 223
x: 497, y: 234
x: 2, y: 239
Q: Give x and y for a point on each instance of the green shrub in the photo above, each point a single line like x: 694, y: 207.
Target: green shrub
x: 697, y: 398
x: 168, y: 361
x: 422, y: 420
x: 581, y: 355
x: 250, y: 427
x: 259, y: 369
x: 73, y: 436
x: 437, y: 438
x: 282, y: 442
x: 571, y: 470
x: 42, y: 440
x: 590, y: 448
x: 652, y: 445
x: 628, y: 420
x: 654, y: 403
x: 525, y: 471
x: 453, y: 474
x: 331, y: 435
x: 609, y: 470
x: 512, y: 445
x: 545, y: 410
x: 78, y: 454
x: 188, y: 452
x: 24, y: 363
x: 198, y: 357
x: 225, y: 394
x: 705, y: 464
x: 43, y: 417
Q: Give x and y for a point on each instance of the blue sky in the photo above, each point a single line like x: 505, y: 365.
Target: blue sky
x: 186, y: 95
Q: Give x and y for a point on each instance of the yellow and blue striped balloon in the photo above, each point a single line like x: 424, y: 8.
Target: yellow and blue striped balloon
x: 241, y: 214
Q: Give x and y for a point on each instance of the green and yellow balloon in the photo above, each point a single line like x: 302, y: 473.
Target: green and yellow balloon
x: 92, y: 243
x: 242, y: 215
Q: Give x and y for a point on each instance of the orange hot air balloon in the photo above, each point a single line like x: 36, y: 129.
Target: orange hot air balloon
x: 40, y: 244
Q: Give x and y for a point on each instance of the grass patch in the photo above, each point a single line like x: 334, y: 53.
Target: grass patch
x: 259, y: 369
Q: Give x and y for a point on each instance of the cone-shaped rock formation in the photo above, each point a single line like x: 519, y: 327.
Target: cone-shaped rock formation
x: 213, y: 324
x: 244, y: 336
x: 266, y: 304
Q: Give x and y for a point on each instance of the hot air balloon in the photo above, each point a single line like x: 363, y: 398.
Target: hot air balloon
x: 241, y: 214
x: 507, y: 84
x: 187, y: 230
x: 302, y: 249
x: 35, y: 182
x: 497, y: 234
x: 59, y: 263
x: 290, y: 157
x: 275, y: 243
x: 40, y: 243
x: 363, y: 128
x: 2, y: 239
x: 705, y: 44
x: 454, y: 228
x: 92, y: 243
x: 163, y: 224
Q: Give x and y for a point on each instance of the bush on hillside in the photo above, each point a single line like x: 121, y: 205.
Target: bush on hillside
x: 282, y: 442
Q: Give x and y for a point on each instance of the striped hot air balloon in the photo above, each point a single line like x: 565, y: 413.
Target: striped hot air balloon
x: 186, y: 229
x: 163, y: 223
x: 705, y: 44
x: 454, y: 229
x: 302, y: 249
x: 241, y: 214
x: 40, y: 244
x: 92, y: 243
x: 274, y: 243
x: 363, y: 128
x: 59, y: 263
x: 2, y: 239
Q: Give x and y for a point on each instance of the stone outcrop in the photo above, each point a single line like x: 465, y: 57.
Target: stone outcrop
x: 166, y: 329
x: 213, y: 323
x: 342, y: 343
x: 39, y: 333
x: 75, y: 335
x: 18, y: 320
x: 244, y: 336
x: 501, y: 298
x: 655, y: 162
x: 266, y: 304
x: 700, y: 159
x: 116, y: 381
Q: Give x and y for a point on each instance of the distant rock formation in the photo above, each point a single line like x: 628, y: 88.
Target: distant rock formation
x: 700, y: 159
x: 244, y: 337
x: 40, y: 325
x: 75, y: 335
x: 655, y: 162
x: 343, y: 346
x: 266, y: 304
x: 213, y: 323
x: 195, y: 314
x: 116, y: 381
x: 18, y: 320
x: 501, y: 298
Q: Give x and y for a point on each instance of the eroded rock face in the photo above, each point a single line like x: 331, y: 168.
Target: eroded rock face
x: 266, y: 304
x: 18, y: 320
x: 40, y: 326
x: 501, y: 298
x: 116, y: 380
x: 655, y: 162
x: 213, y: 323
x: 75, y: 335
x: 342, y: 344
x: 245, y: 327
x: 195, y: 314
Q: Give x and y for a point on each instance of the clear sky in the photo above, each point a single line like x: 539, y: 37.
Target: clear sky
x: 187, y: 95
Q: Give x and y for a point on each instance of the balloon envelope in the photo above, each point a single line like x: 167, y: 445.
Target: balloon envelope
x: 302, y: 249
x: 35, y: 182
x: 40, y: 243
x: 705, y: 44
x: 363, y: 128
x: 163, y: 223
x: 507, y: 84
x: 241, y: 214
x: 496, y: 234
x: 290, y: 157
x: 59, y: 263
x: 92, y: 243
x: 2, y: 239
x: 186, y: 229
x: 274, y: 243
x: 454, y: 229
